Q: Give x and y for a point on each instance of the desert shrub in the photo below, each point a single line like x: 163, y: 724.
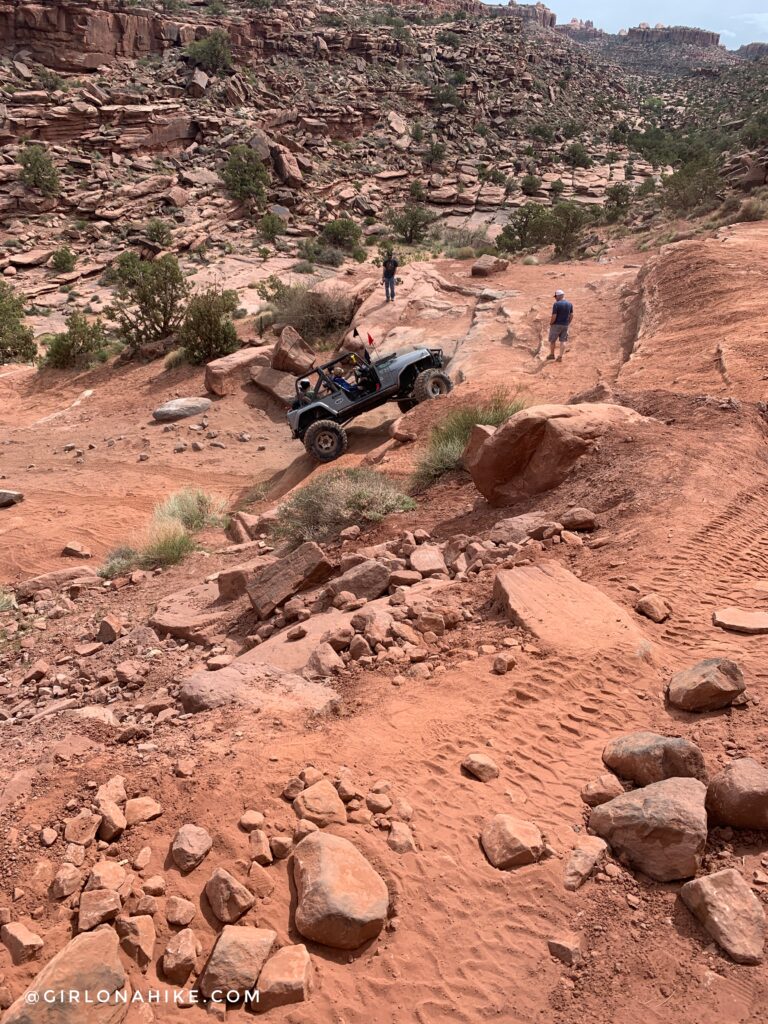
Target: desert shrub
x: 63, y: 260
x: 303, y: 267
x: 119, y: 561
x: 411, y: 222
x: 17, y: 342
x: 341, y: 233
x: 159, y: 232
x: 217, y: 6
x: 566, y: 224
x: 78, y: 346
x: 7, y: 601
x: 435, y: 154
x: 527, y: 228
x: 175, y: 358
x: 336, y: 499
x: 646, y: 188
x: 577, y: 156
x: 245, y: 175
x: 618, y: 199
x: 694, y: 185
x: 448, y: 95
x: 193, y: 508
x: 449, y: 438
x: 213, y: 53
x: 49, y: 80
x: 270, y: 226
x: 530, y: 184
x: 316, y: 315
x: 447, y: 38
x: 207, y: 331
x: 462, y: 252
x: 417, y: 191
x: 751, y: 210
x: 166, y: 543
x: 150, y: 299
x: 38, y: 170
x: 314, y: 251
x: 417, y: 132
x: 557, y: 188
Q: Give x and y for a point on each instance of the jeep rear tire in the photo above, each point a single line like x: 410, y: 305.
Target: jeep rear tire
x: 325, y: 440
x: 431, y: 384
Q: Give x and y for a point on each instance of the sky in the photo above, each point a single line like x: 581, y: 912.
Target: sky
x: 738, y: 21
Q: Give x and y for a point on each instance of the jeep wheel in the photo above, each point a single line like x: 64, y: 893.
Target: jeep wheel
x: 431, y: 384
x: 325, y: 440
x: 406, y: 404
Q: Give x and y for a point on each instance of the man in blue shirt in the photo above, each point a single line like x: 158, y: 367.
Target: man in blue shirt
x: 560, y: 321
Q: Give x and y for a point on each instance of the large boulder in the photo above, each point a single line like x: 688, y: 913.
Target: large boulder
x: 536, y: 448
x: 487, y: 264
x: 292, y: 354
x: 88, y: 963
x: 304, y: 567
x: 738, y: 795
x: 368, y: 579
x: 277, y: 384
x: 646, y: 757
x: 181, y: 408
x: 709, y: 685
x: 660, y: 830
x: 342, y: 901
x: 510, y: 842
x: 730, y: 912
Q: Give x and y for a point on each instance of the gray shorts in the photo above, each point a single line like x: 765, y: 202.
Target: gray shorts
x: 558, y: 332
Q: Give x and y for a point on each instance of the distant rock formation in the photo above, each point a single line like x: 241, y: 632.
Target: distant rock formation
x: 677, y: 35
x: 537, y: 13
x: 753, y: 51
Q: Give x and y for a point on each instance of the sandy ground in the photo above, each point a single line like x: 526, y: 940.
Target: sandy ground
x: 685, y: 511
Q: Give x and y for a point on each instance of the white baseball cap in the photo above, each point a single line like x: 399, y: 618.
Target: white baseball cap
x: 559, y: 293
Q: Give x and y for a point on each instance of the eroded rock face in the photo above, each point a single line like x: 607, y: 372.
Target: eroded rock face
x: 660, y: 830
x: 709, y: 685
x: 738, y: 795
x: 730, y: 912
x: 646, y: 757
x: 342, y: 901
x: 534, y: 450
x: 90, y: 962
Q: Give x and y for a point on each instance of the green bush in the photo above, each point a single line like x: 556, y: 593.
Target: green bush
x: 38, y: 170
x: 63, y: 260
x: 449, y: 438
x: 213, y: 53
x: 50, y: 81
x: 303, y: 267
x: 207, y: 331
x: 693, y: 186
x: 314, y: 251
x: 411, y: 223
x: 342, y: 233
x: 566, y: 224
x: 245, y: 175
x: 271, y: 226
x: 417, y: 191
x: 217, y: 7
x: 166, y: 543
x: 527, y: 228
x: 530, y: 184
x: 159, y: 232
x: 647, y: 188
x: 337, y: 499
x: 150, y: 299
x: 557, y: 188
x: 435, y: 154
x: 317, y: 315
x: 7, y: 601
x: 753, y: 209
x: 448, y: 38
x: 175, y: 358
x: 193, y: 508
x: 78, y: 346
x: 577, y: 155
x: 17, y: 342
x: 618, y: 199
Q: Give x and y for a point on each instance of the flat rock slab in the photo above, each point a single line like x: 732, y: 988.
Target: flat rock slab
x: 741, y: 620
x: 554, y: 605
x: 222, y: 376
x: 258, y: 685
x: 52, y: 580
x: 276, y: 383
x: 181, y: 408
x: 194, y: 614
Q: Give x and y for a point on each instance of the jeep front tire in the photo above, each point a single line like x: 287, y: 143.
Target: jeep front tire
x: 431, y: 384
x: 325, y: 440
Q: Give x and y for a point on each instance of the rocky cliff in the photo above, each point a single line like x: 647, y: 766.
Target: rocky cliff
x: 677, y: 35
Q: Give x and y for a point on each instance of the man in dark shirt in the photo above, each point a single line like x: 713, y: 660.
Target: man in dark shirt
x: 560, y: 321
x: 388, y: 276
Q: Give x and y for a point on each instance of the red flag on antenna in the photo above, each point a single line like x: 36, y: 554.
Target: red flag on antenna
x: 370, y: 340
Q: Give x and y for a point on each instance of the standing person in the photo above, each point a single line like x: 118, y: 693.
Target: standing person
x: 388, y: 277
x: 560, y: 321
